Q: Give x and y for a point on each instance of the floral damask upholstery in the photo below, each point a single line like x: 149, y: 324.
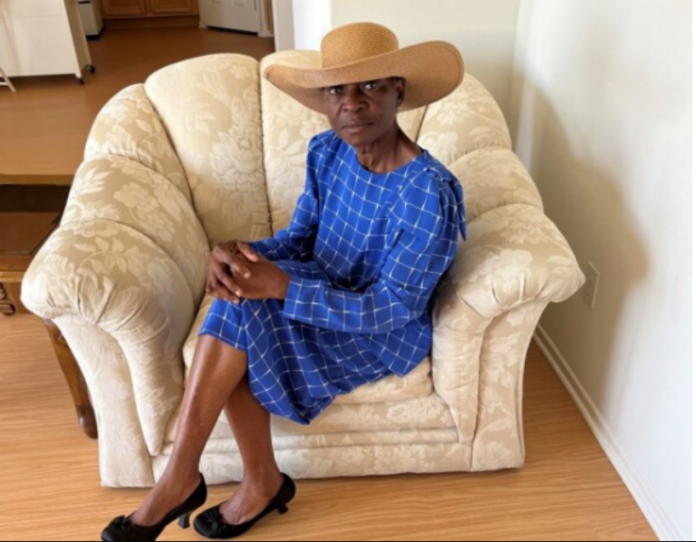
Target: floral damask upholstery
x: 207, y: 151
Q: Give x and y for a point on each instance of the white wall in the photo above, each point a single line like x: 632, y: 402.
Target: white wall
x: 601, y: 111
x: 284, y: 24
x: 312, y: 22
x: 483, y: 30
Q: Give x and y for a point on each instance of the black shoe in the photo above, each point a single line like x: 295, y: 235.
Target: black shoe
x: 211, y: 525
x: 122, y: 529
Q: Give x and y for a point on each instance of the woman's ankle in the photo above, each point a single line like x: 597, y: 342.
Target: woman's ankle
x: 180, y: 475
x: 265, y: 477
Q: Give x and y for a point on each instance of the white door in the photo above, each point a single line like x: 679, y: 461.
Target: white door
x: 233, y: 14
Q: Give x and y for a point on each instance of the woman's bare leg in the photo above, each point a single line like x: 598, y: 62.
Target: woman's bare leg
x: 217, y: 370
x: 251, y: 425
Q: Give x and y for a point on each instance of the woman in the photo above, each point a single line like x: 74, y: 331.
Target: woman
x: 340, y: 298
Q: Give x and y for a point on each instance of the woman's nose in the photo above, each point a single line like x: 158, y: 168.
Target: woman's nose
x: 353, y: 99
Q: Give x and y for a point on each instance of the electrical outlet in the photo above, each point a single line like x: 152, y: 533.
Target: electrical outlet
x: 589, y: 291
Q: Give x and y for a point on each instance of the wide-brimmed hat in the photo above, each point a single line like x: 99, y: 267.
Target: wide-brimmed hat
x: 366, y: 52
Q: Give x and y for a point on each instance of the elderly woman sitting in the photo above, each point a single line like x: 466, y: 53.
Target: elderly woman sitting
x: 340, y: 298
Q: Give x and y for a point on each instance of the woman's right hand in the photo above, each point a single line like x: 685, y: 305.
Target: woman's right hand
x: 228, y: 260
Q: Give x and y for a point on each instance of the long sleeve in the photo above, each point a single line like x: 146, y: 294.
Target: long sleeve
x: 429, y: 224
x: 296, y: 242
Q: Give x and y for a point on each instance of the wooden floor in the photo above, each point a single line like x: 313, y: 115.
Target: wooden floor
x: 44, y: 126
x: 567, y: 491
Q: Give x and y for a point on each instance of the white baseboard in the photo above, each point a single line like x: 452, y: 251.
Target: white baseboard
x: 663, y: 526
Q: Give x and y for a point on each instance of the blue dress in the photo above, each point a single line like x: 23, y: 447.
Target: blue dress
x: 365, y: 252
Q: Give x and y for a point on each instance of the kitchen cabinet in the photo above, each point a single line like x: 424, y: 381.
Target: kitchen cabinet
x: 124, y: 9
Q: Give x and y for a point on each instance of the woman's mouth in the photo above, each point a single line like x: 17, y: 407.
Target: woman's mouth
x: 356, y: 127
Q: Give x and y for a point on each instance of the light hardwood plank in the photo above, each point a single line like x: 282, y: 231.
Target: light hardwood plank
x: 45, y: 124
x: 567, y: 491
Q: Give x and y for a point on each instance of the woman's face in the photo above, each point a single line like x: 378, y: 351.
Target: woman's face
x: 362, y: 113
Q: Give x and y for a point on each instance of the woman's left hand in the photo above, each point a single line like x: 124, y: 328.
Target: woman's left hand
x: 267, y: 280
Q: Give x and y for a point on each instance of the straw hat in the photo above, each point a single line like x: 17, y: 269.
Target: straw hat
x: 365, y: 52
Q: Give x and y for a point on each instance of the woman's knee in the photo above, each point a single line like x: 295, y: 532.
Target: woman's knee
x: 212, y: 349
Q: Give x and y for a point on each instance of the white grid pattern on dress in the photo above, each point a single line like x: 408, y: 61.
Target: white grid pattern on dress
x: 365, y: 253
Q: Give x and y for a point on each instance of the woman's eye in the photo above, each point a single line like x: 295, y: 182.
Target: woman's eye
x: 371, y: 85
x: 335, y: 91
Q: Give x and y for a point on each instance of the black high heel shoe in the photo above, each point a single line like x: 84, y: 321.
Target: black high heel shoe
x: 211, y: 525
x: 123, y: 529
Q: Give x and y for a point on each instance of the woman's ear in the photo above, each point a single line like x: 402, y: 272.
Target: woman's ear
x: 400, y: 86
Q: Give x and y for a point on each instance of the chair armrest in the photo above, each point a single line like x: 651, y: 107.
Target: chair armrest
x: 124, y: 460
x: 515, y: 255
x: 114, y: 277
x: 515, y: 258
x: 129, y: 257
x: 122, y: 191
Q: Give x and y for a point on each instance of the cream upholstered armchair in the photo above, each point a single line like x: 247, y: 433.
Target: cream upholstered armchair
x: 207, y: 151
